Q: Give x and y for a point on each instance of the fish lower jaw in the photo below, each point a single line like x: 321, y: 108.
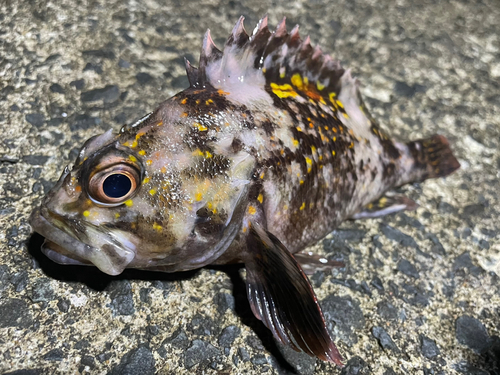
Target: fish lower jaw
x: 53, y: 251
x: 63, y: 248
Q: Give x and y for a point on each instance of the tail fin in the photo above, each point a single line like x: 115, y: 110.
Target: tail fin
x: 432, y: 157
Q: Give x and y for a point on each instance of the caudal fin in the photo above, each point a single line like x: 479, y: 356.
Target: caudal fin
x: 432, y: 157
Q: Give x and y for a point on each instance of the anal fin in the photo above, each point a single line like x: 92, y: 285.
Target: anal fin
x: 281, y: 296
x: 385, y: 205
x: 311, y: 262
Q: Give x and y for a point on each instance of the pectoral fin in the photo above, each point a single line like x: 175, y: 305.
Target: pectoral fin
x: 281, y: 296
x: 385, y: 205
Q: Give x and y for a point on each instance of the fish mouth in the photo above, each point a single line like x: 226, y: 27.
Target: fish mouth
x: 111, y: 256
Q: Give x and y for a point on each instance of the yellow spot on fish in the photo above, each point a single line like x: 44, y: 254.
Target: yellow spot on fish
x: 313, y: 149
x: 262, y: 175
x: 283, y: 91
x: 320, y: 86
x: 78, y: 188
x: 142, y: 152
x: 345, y: 115
x: 297, y: 81
x: 157, y: 227
x: 134, y: 144
x: 351, y: 145
x: 301, y: 182
x: 331, y: 97
x: 303, y: 206
x: 282, y: 73
x: 209, y: 101
x: 260, y: 198
x: 201, y: 127
x: 184, y: 114
x: 161, y: 123
x: 295, y: 142
x: 339, y: 103
x: 132, y: 158
x: 299, y: 128
x: 86, y: 213
x: 184, y: 101
x: 129, y: 203
x: 198, y: 196
x: 309, y: 164
x: 208, y: 155
x: 152, y: 191
x: 221, y: 92
x: 149, y: 162
x: 252, y: 210
x: 117, y: 215
x: 333, y: 152
x: 126, y: 144
x: 264, y: 70
x: 146, y: 180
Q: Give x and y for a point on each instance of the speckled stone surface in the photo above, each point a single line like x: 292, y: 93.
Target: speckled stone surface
x: 421, y: 290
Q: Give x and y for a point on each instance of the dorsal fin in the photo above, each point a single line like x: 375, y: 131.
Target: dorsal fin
x: 266, y: 57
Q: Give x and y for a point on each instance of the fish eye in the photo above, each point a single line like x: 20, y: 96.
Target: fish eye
x: 114, y: 185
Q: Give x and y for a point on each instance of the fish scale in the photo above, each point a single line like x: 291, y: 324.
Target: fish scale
x: 269, y: 149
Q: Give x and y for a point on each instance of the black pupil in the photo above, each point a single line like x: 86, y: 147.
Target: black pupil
x: 116, y: 185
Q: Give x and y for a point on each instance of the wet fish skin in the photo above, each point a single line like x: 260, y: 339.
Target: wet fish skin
x: 269, y: 149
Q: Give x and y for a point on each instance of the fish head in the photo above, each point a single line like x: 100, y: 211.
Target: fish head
x: 79, y: 216
x: 144, y: 198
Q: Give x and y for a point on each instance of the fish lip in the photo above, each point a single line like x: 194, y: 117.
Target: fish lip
x: 49, y: 250
x: 109, y: 260
x: 52, y: 233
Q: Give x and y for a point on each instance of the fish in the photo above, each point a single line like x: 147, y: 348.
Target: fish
x: 269, y: 149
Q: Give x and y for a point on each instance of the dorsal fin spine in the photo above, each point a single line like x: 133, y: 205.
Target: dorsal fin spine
x: 192, y: 73
x: 209, y: 53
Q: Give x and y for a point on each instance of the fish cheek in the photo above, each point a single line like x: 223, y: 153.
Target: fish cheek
x: 208, y: 227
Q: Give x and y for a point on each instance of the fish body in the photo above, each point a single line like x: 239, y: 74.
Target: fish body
x: 269, y: 149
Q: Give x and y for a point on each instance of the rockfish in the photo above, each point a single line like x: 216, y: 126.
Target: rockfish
x: 269, y: 149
